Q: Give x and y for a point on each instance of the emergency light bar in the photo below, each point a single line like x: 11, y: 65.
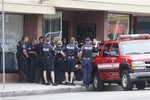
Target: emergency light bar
x: 133, y: 37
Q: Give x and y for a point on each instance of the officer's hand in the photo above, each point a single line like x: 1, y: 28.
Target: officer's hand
x: 27, y: 56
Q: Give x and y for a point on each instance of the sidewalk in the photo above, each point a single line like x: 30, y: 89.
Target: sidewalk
x: 22, y: 89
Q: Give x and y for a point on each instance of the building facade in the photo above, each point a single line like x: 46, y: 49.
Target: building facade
x: 65, y: 18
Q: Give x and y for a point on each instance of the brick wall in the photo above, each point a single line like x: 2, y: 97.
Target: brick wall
x: 33, y: 26
x: 10, y: 77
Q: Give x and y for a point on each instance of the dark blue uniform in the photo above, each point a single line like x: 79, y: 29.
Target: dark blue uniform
x: 31, y: 62
x: 48, y: 57
x: 59, y: 64
x: 71, y: 51
x: 39, y: 49
x: 21, y: 60
x: 87, y: 51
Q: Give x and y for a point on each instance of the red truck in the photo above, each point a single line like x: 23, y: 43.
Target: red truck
x: 125, y: 61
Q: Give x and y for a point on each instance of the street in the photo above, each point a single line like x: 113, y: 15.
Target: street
x: 104, y: 95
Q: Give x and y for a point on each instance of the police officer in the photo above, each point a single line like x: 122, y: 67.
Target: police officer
x: 86, y: 52
x: 40, y: 60
x: 71, y: 52
x: 32, y: 59
x: 22, y: 55
x: 48, y: 57
x: 59, y: 62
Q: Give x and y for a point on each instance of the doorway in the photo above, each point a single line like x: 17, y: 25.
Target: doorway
x: 85, y: 30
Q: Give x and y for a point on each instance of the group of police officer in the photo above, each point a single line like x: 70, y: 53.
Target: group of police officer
x: 54, y: 61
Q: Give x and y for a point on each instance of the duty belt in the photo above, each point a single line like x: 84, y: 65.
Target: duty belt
x: 71, y: 57
x: 48, y: 57
x: 86, y: 58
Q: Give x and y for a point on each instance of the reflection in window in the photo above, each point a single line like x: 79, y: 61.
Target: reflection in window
x: 117, y: 24
x: 52, y: 25
x: 13, y: 34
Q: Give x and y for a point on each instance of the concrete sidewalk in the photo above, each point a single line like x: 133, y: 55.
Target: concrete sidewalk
x: 22, y: 89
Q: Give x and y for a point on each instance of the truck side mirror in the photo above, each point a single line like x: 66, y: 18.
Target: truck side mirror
x: 114, y: 54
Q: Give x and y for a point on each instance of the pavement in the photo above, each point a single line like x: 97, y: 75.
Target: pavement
x: 24, y: 89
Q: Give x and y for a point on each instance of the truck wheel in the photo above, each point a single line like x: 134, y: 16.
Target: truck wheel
x: 140, y: 85
x: 97, y: 83
x: 125, y: 81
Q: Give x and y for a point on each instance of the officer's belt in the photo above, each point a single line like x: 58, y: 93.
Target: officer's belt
x: 70, y: 57
x: 86, y: 58
x: 48, y: 57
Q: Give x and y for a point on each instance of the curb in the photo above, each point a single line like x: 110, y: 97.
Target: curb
x: 48, y: 91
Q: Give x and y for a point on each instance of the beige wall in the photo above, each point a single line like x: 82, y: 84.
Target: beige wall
x: 131, y: 2
x: 23, y: 1
x: 135, y: 7
x: 27, y: 8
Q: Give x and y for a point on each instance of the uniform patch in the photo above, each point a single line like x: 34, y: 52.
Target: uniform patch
x: 29, y: 48
x: 45, y: 49
x: 70, y: 47
x: 23, y: 46
x: 88, y: 48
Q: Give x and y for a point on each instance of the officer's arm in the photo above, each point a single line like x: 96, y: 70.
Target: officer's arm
x: 80, y: 54
x: 35, y: 53
x: 63, y: 54
x: 25, y: 52
x: 32, y: 52
x: 96, y: 45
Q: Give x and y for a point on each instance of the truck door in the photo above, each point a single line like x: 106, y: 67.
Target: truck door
x: 114, y: 59
x: 104, y: 65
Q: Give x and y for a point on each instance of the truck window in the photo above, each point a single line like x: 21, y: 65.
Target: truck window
x: 100, y: 46
x: 115, y: 48
x: 106, y: 50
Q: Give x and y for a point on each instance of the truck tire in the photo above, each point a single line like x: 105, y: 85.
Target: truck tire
x: 140, y: 85
x: 97, y: 83
x: 125, y: 81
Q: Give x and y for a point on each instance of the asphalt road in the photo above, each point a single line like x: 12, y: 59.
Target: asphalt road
x: 104, y: 95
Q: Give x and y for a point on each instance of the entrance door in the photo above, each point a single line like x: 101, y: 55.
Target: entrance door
x: 84, y: 31
x: 65, y: 30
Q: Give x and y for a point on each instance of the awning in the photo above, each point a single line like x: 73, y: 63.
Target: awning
x: 27, y: 8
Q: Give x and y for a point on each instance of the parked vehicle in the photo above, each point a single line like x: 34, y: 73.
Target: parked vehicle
x: 125, y: 61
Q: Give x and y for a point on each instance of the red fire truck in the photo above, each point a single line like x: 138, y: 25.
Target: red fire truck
x: 125, y: 61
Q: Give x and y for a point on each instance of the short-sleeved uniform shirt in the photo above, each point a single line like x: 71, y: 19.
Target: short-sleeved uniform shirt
x: 39, y: 49
x: 20, y: 47
x: 30, y: 48
x: 71, y: 50
x: 87, y: 50
x: 48, y: 55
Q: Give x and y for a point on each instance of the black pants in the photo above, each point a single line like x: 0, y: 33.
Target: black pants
x: 21, y: 67
x: 31, y: 69
x: 39, y: 71
x: 58, y: 69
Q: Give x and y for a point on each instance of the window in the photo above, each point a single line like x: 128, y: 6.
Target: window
x: 115, y: 49
x: 106, y: 50
x: 117, y: 24
x: 52, y: 25
x: 13, y: 33
x: 100, y: 46
x: 143, y: 25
